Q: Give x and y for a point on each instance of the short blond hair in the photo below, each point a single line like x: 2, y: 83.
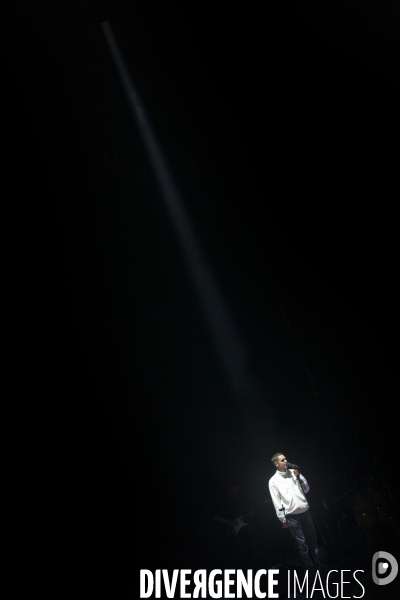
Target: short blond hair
x: 275, y: 457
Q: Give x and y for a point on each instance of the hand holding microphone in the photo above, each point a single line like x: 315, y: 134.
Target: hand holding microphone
x: 296, y: 468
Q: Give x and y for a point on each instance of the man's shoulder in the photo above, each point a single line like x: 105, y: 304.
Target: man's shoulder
x: 274, y: 477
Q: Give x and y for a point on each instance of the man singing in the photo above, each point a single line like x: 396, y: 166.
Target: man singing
x: 287, y: 493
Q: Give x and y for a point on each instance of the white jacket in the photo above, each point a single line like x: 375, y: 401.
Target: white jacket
x: 286, y: 491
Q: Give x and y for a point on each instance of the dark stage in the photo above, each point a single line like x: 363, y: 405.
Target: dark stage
x: 148, y: 378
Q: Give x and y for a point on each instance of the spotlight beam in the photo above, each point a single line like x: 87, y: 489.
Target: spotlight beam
x: 228, y: 344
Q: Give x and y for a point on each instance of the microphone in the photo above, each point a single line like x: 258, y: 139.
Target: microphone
x: 292, y: 466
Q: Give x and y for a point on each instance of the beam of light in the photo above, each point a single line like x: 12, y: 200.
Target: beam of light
x: 226, y: 339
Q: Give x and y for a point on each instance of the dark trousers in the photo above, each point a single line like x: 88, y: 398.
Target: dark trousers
x: 304, y: 535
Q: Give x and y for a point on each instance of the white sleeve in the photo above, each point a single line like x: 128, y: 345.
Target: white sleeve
x: 276, y: 499
x: 305, y: 483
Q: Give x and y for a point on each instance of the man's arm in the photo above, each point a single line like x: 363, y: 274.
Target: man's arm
x: 276, y: 499
x: 220, y: 519
x: 304, y: 481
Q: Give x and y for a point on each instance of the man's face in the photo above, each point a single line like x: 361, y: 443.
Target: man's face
x: 281, y: 463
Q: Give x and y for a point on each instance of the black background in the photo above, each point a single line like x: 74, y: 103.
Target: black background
x: 280, y: 124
